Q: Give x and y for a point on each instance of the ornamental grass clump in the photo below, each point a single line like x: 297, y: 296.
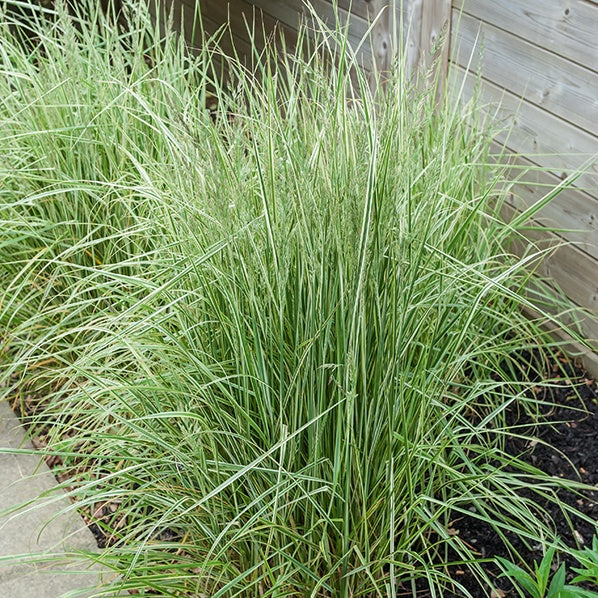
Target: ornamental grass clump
x: 277, y: 341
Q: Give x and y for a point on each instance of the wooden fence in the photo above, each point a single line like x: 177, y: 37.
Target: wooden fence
x: 537, y: 62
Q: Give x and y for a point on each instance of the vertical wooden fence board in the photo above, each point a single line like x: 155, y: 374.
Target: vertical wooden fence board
x: 434, y: 46
x: 413, y: 43
x: 427, y: 41
x: 377, y: 14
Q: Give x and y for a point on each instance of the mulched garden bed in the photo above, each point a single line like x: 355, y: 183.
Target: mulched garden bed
x: 572, y: 453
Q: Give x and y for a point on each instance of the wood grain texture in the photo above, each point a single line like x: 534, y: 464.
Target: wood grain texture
x: 539, y: 77
x: 237, y: 21
x: 546, y: 79
x: 375, y: 45
x: 586, y: 358
x: 574, y: 272
x: 436, y: 17
x: 567, y: 28
x: 292, y: 13
x: 569, y: 271
x: 360, y: 8
x: 567, y: 267
x: 399, y: 22
x: 247, y: 21
x: 543, y: 138
x: 378, y: 15
x: 573, y: 214
x: 413, y: 44
x: 428, y: 25
x: 434, y: 43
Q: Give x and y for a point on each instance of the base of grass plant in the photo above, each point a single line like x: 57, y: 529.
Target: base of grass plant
x: 564, y: 447
x: 567, y: 445
x: 283, y: 343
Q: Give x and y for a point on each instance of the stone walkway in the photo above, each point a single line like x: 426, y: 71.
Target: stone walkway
x: 40, y: 530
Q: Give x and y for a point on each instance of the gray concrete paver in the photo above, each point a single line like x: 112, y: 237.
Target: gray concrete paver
x: 40, y: 528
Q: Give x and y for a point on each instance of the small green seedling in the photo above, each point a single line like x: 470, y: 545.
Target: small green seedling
x: 537, y: 585
x: 589, y: 559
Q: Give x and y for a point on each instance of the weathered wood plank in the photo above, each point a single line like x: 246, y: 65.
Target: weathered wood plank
x: 570, y: 270
x: 564, y: 27
x: 573, y: 212
x: 436, y: 19
x: 291, y: 13
x: 399, y: 22
x: 428, y: 24
x: 413, y: 36
x: 375, y: 50
x: 247, y: 20
x: 543, y: 138
x: 358, y: 7
x: 543, y: 78
x: 378, y: 14
x: 573, y: 348
x: 244, y: 21
x: 397, y: 14
x: 548, y: 141
x: 434, y: 43
x: 575, y: 273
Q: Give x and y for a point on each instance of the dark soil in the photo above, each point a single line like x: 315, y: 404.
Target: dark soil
x: 570, y: 434
x: 570, y: 452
